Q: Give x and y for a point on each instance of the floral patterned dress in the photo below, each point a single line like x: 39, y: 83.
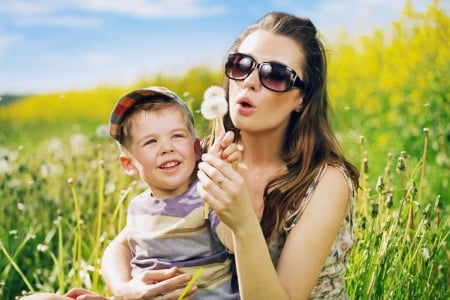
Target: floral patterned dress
x: 330, y: 284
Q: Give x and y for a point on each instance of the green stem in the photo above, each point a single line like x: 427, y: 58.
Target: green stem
x: 424, y: 159
x: 16, y: 267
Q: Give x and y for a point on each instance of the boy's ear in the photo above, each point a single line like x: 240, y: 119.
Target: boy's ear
x: 128, y: 166
x: 197, y: 149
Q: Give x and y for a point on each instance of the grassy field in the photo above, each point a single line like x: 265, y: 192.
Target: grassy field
x: 63, y: 195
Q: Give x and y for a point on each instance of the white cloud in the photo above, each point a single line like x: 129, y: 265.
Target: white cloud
x: 98, y: 59
x: 24, y: 7
x: 359, y: 17
x: 64, y: 21
x: 139, y: 8
x: 8, y: 40
x: 146, y: 8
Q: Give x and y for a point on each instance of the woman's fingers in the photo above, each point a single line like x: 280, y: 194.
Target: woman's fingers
x: 168, y: 285
x: 158, y: 275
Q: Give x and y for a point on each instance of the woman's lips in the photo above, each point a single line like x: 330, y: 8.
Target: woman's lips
x: 245, y: 106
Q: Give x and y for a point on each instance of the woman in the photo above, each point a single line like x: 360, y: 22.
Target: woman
x: 289, y: 203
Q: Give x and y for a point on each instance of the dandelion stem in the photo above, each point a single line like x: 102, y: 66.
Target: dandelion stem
x: 101, y: 201
x: 76, y: 263
x: 210, y: 143
x: 61, y: 257
x: 190, y: 283
x: 424, y: 158
x: 16, y: 267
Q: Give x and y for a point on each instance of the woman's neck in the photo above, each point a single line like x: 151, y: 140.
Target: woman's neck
x: 261, y: 152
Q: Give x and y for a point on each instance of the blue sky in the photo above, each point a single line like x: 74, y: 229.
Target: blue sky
x: 57, y: 45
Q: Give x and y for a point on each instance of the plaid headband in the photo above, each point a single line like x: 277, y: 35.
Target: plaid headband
x: 130, y: 99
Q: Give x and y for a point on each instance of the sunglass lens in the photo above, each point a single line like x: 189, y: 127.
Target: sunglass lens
x: 238, y: 66
x: 275, y: 77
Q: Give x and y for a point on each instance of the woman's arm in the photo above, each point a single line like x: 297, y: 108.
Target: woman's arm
x: 309, y: 243
x: 227, y: 150
x: 257, y: 277
x: 306, y: 247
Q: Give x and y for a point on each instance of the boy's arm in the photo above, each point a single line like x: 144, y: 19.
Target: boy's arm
x: 116, y: 268
x: 225, y: 236
x: 116, y: 272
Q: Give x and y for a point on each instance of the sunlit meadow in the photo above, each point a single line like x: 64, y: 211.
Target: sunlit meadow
x: 63, y: 195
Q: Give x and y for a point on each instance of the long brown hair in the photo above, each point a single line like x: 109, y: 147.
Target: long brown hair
x: 309, y: 141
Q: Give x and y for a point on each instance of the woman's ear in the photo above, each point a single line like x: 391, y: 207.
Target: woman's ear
x: 128, y: 166
x: 299, y: 105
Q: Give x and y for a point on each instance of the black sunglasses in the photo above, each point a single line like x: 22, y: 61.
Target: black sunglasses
x: 272, y: 75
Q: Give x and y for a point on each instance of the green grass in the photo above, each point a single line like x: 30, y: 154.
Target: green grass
x: 63, y: 195
x: 65, y: 198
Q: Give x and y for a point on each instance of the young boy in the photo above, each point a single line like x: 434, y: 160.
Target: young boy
x: 166, y: 228
x: 165, y: 224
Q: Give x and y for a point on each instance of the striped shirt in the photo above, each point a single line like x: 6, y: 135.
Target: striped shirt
x: 173, y: 232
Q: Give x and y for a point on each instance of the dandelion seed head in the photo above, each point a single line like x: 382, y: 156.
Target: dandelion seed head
x: 56, y: 147
x: 4, y: 166
x: 93, y: 164
x: 15, y: 183
x: 214, y: 107
x: 57, y: 221
x: 214, y: 91
x: 102, y: 131
x: 426, y: 253
x: 214, y: 104
x: 42, y: 248
x: 110, y: 188
x: 78, y: 144
x: 20, y: 206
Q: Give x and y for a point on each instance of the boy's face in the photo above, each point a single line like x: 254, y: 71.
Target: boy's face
x: 163, y: 151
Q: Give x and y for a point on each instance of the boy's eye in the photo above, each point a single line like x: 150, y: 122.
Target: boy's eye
x: 178, y: 135
x: 151, y: 141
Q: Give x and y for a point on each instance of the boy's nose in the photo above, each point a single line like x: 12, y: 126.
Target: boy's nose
x: 167, y: 147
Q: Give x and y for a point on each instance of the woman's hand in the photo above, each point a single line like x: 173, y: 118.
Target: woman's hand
x: 82, y: 294
x: 224, y: 189
x: 224, y: 147
x: 156, y: 284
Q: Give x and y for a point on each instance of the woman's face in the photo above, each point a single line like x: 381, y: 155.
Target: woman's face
x: 254, y: 108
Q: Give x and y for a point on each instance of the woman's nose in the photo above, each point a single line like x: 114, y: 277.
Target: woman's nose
x: 252, y: 80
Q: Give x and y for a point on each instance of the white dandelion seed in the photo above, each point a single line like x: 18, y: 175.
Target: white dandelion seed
x: 214, y: 91
x: 78, y: 144
x: 213, y: 108
x: 42, y: 248
x: 102, y: 131
x: 426, y: 253
x: 214, y: 104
